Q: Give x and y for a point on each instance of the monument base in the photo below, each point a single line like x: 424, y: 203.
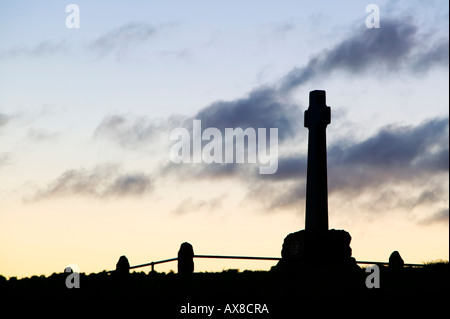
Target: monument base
x: 307, y: 248
x: 320, y: 260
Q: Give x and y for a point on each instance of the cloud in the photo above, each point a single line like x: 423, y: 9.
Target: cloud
x: 4, y: 159
x: 118, y: 41
x: 397, y: 167
x: 399, y: 147
x: 261, y: 108
x: 277, y: 31
x: 127, y: 131
x: 129, y: 184
x: 378, y: 168
x: 41, y: 135
x: 273, y: 195
x: 212, y: 172
x: 3, y: 119
x: 290, y: 167
x: 393, y: 153
x: 44, y: 48
x: 440, y: 216
x: 382, y: 166
x: 435, y: 55
x: 179, y: 54
x: 286, y: 26
x: 121, y: 39
x: 192, y: 205
x: 103, y: 181
x: 395, y: 46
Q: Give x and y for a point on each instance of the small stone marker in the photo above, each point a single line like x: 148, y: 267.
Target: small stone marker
x: 186, y: 259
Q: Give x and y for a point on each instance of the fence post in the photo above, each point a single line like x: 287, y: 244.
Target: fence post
x: 186, y: 259
x: 396, y: 262
x: 123, y: 266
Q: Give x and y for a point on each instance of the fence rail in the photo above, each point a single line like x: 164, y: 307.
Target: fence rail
x: 237, y: 257
x: 153, y: 263
x: 385, y: 263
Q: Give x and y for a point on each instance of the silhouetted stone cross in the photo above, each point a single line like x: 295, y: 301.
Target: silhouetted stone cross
x: 317, y: 117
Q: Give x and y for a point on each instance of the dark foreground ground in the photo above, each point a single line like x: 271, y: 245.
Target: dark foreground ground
x: 245, y: 294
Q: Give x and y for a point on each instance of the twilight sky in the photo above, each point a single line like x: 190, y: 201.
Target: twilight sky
x: 86, y: 115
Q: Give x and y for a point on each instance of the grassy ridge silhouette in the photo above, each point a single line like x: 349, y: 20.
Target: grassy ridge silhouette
x: 280, y: 291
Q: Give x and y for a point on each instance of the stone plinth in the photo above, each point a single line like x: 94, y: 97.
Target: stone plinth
x: 313, y: 249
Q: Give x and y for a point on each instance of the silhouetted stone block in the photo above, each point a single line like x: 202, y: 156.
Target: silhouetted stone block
x: 123, y: 266
x: 293, y: 246
x: 186, y: 259
x: 310, y: 248
x: 396, y: 262
x: 321, y: 263
x: 338, y: 248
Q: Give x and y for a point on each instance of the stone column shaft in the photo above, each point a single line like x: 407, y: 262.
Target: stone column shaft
x: 317, y: 117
